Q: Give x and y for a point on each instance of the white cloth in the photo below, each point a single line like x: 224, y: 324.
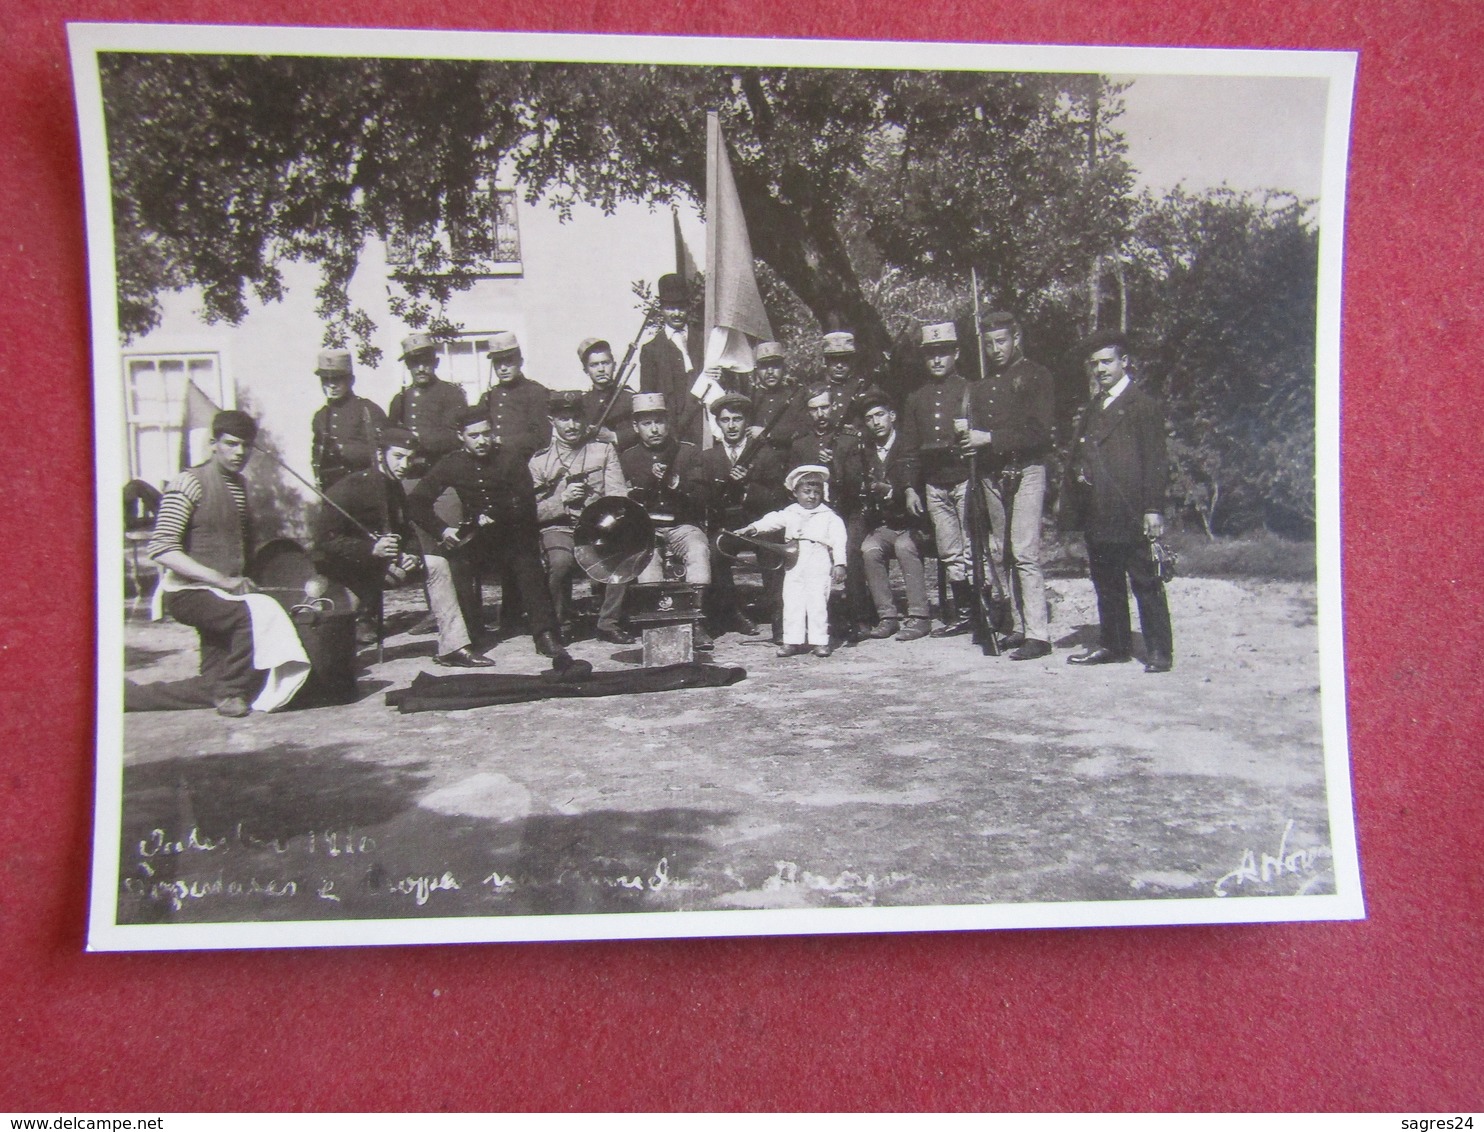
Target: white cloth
x: 276, y: 650
x: 820, y: 537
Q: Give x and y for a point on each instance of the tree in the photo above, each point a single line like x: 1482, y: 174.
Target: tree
x: 226, y: 167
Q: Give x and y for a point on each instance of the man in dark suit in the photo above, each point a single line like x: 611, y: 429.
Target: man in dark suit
x: 670, y: 361
x: 890, y: 529
x: 1119, y: 479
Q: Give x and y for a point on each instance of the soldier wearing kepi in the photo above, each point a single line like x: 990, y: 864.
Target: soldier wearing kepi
x: 1012, y: 412
x: 429, y: 407
x: 499, y: 529
x: 601, y: 370
x: 773, y: 395
x: 515, y: 405
x: 1118, y: 479
x: 666, y: 477
x: 344, y: 428
x: 372, y: 500
x: 841, y: 368
x: 570, y: 473
x: 890, y: 528
x: 939, y: 465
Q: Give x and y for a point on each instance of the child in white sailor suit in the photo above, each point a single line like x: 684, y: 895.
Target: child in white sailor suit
x: 819, y: 535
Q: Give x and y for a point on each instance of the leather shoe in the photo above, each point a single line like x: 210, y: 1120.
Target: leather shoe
x: 884, y: 629
x: 957, y: 629
x: 915, y: 629
x: 233, y: 707
x: 1031, y: 649
x: 741, y: 623
x: 1099, y: 656
x: 792, y: 650
x: 549, y: 645
x: 1011, y: 641
x: 465, y: 657
x: 616, y: 636
x: 1158, y: 662
x: 823, y: 650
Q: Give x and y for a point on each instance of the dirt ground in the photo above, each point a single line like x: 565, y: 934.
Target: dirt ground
x: 890, y: 774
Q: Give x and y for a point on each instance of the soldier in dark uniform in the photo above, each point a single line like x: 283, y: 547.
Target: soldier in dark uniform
x: 940, y: 468
x: 670, y: 361
x: 1119, y: 475
x: 665, y: 476
x: 345, y: 427
x: 429, y: 407
x: 1011, y: 413
x: 515, y: 405
x: 569, y: 473
x: 598, y: 364
x: 371, y: 499
x: 744, y: 481
x: 773, y: 393
x: 890, y: 529
x: 499, y: 528
x: 842, y: 371
x: 831, y: 444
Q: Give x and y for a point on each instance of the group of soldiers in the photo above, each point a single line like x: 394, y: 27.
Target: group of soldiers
x: 524, y: 461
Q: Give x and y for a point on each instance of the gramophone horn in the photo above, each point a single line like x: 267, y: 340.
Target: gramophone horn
x: 613, y: 540
x: 732, y: 546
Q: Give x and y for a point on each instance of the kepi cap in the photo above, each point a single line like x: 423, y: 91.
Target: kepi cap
x: 648, y: 403
x: 334, y: 363
x: 560, y: 401
x: 503, y: 342
x: 838, y: 342
x: 588, y: 345
x: 393, y: 437
x: 940, y: 334
x: 421, y: 340
x: 768, y: 351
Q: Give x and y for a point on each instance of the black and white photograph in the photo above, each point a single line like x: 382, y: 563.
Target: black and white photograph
x: 586, y: 487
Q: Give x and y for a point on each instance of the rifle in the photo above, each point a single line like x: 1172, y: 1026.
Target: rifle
x: 620, y: 380
x: 977, y: 511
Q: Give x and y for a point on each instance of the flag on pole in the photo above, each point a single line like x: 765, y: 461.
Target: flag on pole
x: 734, y: 316
x: 685, y: 263
x: 195, y: 426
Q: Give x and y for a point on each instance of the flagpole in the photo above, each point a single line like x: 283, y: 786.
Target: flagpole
x: 713, y: 248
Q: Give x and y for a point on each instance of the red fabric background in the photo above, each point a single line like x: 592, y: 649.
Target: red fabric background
x: 1382, y: 1014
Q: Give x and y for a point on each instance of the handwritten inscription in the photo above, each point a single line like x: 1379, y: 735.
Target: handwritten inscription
x: 421, y: 888
x: 1270, y: 867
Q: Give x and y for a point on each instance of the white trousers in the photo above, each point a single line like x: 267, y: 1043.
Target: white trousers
x: 806, y: 597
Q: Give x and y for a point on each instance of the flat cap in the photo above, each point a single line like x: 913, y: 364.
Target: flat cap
x: 393, y: 437
x: 734, y: 401
x: 234, y: 422
x: 869, y: 399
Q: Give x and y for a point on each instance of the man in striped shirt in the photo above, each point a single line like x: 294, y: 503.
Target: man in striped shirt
x: 201, y: 540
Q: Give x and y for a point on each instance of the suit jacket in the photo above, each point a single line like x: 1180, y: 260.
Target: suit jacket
x: 898, y: 472
x: 730, y: 503
x: 662, y: 369
x: 1119, y: 470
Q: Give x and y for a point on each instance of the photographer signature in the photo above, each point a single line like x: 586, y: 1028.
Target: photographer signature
x: 1296, y: 863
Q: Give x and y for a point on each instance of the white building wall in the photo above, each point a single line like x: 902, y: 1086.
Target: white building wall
x: 575, y: 282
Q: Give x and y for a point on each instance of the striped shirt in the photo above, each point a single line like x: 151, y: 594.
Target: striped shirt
x: 179, y: 504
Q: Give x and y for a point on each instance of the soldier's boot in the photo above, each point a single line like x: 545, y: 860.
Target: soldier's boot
x: 963, y: 594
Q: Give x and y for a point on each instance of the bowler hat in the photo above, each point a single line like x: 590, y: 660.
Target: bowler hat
x: 672, y: 291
